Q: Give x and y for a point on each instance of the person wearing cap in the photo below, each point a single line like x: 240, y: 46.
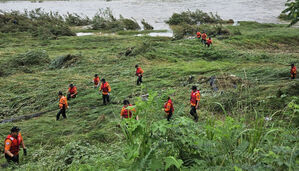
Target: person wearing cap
x: 105, y: 89
x: 293, y: 71
x: 12, y: 145
x: 194, y: 100
x: 72, y: 92
x: 139, y: 74
x: 96, y: 81
x: 62, y: 106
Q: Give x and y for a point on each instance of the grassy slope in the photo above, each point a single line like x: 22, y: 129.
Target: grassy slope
x: 261, y: 55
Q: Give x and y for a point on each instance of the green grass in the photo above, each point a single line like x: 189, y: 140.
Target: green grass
x: 231, y: 134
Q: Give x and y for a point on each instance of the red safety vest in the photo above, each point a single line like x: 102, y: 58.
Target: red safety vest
x: 15, y: 144
x: 125, y: 114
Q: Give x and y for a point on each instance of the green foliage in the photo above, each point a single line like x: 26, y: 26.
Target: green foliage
x: 76, y: 20
x: 104, y: 20
x: 183, y: 30
x: 146, y: 25
x: 34, y: 57
x: 193, y: 18
x: 292, y: 11
x: 252, y: 125
x: 38, y: 22
x: 65, y: 61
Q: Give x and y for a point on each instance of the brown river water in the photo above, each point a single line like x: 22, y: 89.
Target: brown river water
x: 157, y: 11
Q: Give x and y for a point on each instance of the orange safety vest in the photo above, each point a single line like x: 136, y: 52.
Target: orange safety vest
x: 193, y: 99
x: 126, y: 112
x: 73, y: 90
x: 169, y: 102
x: 139, y: 71
x: 209, y: 41
x: 15, y: 144
x: 96, y: 80
x: 198, y: 34
x: 63, y: 102
x: 105, y: 88
x: 294, y: 70
x: 204, y: 36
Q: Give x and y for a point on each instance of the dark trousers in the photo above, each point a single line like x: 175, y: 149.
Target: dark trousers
x: 208, y: 44
x: 139, y: 80
x: 193, y: 113
x: 106, y: 99
x: 293, y: 76
x: 61, y: 111
x: 203, y: 41
x: 69, y: 96
x: 11, y: 159
x: 169, y: 115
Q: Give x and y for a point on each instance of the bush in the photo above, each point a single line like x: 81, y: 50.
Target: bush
x: 76, y: 20
x: 37, y: 22
x: 64, y: 61
x: 146, y: 25
x: 129, y: 24
x: 104, y: 20
x: 193, y: 18
x: 180, y: 31
x: 35, y: 57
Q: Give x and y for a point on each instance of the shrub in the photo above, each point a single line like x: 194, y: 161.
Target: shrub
x: 35, y: 57
x: 37, y: 22
x: 193, y: 18
x: 64, y: 61
x: 104, y: 20
x: 76, y: 20
x: 180, y: 31
x: 129, y: 24
x: 146, y: 25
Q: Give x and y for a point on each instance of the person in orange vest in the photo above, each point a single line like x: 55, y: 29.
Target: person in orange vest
x: 168, y: 108
x: 204, y: 38
x: 209, y: 42
x: 105, y: 89
x: 72, y: 92
x: 12, y: 145
x: 194, y: 100
x: 96, y: 81
x: 198, y: 34
x: 127, y: 113
x: 139, y: 74
x: 62, y: 106
x: 293, y: 71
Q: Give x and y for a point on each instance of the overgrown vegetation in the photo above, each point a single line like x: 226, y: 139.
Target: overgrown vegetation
x: 292, y: 11
x: 250, y: 122
x: 194, y: 18
x: 38, y: 22
x: 104, y: 20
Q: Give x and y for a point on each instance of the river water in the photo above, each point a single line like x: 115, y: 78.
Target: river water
x: 157, y: 11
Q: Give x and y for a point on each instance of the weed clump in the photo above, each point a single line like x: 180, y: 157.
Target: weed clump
x: 146, y: 25
x: 183, y: 30
x: 193, y: 18
x: 38, y: 22
x: 35, y: 57
x: 76, y: 20
x: 64, y: 61
x: 104, y: 20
